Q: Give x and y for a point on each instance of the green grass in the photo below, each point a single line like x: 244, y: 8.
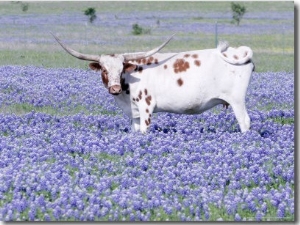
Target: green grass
x: 217, y: 213
x: 272, y: 52
x: 23, y: 108
x: 120, y: 6
x: 40, y: 59
x: 26, y: 108
x: 283, y: 121
x: 270, y: 60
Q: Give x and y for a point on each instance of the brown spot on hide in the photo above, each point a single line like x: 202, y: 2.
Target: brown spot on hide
x: 140, y: 95
x: 150, y: 115
x: 148, y: 100
x: 156, y: 61
x: 245, y: 54
x: 150, y: 60
x: 236, y: 57
x: 146, y: 92
x: 165, y: 66
x: 104, y: 77
x: 181, y: 65
x: 137, y: 99
x: 148, y: 121
x: 195, y: 56
x: 128, y: 67
x: 95, y: 66
x: 138, y: 61
x: 147, y: 110
x: 104, y: 74
x: 186, y: 55
x: 197, y: 62
x: 180, y: 82
x: 225, y: 55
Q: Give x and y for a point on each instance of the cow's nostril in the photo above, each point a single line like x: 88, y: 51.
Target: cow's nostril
x: 116, y: 89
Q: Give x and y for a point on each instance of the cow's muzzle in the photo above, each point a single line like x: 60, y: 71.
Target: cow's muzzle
x: 115, y: 89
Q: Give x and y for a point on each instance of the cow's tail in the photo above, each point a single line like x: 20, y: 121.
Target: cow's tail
x: 238, y: 56
x: 222, y: 46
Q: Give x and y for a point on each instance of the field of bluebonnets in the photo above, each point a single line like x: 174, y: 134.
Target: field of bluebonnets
x: 68, y: 153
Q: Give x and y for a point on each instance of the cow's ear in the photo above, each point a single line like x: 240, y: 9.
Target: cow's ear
x: 128, y: 67
x: 95, y: 66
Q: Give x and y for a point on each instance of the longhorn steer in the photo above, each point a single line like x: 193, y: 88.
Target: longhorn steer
x: 185, y: 83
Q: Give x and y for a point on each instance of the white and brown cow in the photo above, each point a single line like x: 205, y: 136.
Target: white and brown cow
x: 185, y: 83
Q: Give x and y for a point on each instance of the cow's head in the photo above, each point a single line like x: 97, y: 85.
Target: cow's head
x: 112, y: 66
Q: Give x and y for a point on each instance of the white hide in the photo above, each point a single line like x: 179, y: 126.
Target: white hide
x: 114, y: 65
x: 206, y: 78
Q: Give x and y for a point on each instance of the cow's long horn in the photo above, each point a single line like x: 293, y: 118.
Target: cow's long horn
x: 141, y: 55
x: 77, y: 54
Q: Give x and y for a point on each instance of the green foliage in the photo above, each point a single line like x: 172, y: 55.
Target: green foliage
x: 91, y: 13
x: 23, y: 108
x: 269, y: 52
x: 283, y: 121
x: 24, y: 7
x: 238, y: 12
x: 138, y: 30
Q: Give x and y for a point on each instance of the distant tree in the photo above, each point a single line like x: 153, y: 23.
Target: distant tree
x: 138, y: 30
x: 91, y: 13
x: 24, y: 6
x: 238, y: 12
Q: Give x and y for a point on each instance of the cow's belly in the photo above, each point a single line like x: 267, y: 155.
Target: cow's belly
x: 182, y: 106
x: 193, y: 97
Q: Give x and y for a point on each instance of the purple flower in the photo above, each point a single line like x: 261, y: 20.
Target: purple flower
x: 237, y: 217
x: 47, y: 217
x: 83, y: 166
x: 57, y: 212
x: 264, y: 207
x: 258, y: 216
x: 280, y: 213
x: 32, y: 214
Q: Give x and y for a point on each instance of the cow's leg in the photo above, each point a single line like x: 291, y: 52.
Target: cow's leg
x: 146, y: 109
x: 145, y: 119
x: 135, y: 124
x: 241, y: 115
x: 145, y: 104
